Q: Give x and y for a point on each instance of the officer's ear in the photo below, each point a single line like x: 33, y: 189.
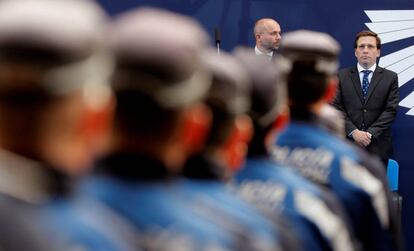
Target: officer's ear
x: 235, y: 149
x: 187, y: 137
x: 196, y: 124
x: 331, y: 87
x: 281, y: 121
x: 83, y: 131
x: 96, y: 124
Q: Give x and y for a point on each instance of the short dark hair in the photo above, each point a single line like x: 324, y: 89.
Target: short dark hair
x: 367, y: 33
x: 305, y: 84
x: 138, y: 115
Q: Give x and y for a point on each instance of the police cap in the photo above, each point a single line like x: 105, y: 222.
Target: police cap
x: 51, y: 45
x: 229, y: 90
x: 158, y: 53
x: 318, y: 47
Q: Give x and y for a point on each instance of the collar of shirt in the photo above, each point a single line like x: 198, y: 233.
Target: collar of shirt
x: 361, y: 74
x: 259, y: 52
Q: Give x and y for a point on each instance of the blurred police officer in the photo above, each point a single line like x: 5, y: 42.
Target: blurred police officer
x: 159, y: 81
x: 223, y: 154
x: 307, y: 146
x: 272, y: 187
x: 52, y: 102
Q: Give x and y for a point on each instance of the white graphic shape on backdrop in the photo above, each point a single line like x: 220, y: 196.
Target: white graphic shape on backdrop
x: 395, y: 25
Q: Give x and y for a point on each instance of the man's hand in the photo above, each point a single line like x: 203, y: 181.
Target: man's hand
x: 361, y: 137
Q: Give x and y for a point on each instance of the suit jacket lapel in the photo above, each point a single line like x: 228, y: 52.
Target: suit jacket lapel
x: 357, y: 83
x: 376, y: 77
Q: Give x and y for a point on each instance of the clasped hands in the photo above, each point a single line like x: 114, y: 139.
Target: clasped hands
x: 361, y: 137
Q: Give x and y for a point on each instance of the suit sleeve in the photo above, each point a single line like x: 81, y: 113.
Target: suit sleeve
x: 339, y: 105
x: 386, y: 118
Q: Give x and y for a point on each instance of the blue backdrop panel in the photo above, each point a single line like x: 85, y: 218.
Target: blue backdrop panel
x: 341, y: 19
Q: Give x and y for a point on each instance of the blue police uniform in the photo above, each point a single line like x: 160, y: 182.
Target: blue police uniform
x: 84, y: 224
x: 139, y: 190
x: 35, y: 211
x: 276, y: 190
x: 203, y: 186
x: 309, y: 149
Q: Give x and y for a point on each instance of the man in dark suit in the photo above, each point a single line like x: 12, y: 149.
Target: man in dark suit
x: 368, y: 97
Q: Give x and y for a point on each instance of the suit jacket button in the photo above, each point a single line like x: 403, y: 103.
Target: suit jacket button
x: 365, y: 110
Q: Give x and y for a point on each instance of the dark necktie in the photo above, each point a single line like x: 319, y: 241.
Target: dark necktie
x: 365, y: 83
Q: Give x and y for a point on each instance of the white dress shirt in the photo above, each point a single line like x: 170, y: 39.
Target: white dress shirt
x: 361, y: 74
x: 259, y: 52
